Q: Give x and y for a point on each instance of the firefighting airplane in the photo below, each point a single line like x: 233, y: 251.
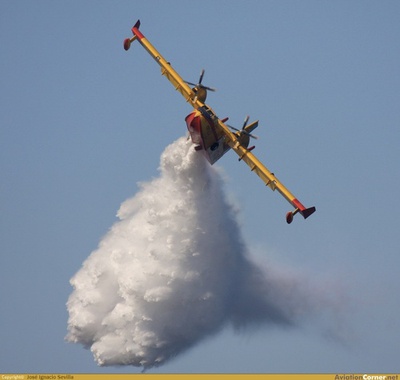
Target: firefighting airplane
x: 210, y: 135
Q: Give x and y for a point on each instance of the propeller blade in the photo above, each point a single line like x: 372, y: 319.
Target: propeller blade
x: 246, y: 120
x: 235, y: 129
x: 251, y: 135
x: 209, y: 88
x: 192, y: 84
x: 201, y: 75
x: 199, y: 85
x: 244, y: 131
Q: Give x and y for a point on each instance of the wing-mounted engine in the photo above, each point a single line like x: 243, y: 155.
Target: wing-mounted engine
x: 245, y: 134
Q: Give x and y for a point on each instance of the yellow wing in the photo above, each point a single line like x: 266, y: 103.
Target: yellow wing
x: 166, y: 69
x: 266, y: 175
x: 230, y: 138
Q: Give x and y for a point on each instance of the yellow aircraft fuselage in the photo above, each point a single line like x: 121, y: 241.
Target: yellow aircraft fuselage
x: 210, y: 135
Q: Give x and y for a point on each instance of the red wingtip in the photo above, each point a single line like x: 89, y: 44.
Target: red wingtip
x: 135, y: 30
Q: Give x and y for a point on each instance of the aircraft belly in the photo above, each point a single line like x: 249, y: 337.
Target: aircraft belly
x: 209, y: 140
x: 216, y: 152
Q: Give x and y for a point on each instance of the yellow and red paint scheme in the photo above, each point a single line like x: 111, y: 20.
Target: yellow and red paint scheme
x: 210, y: 135
x: 205, y: 136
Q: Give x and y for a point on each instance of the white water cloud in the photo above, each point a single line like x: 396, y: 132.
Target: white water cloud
x: 173, y: 270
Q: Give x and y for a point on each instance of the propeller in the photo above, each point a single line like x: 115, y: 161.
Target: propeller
x: 199, y: 85
x: 243, y: 130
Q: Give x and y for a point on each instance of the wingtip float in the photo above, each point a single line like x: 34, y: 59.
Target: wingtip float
x: 210, y: 135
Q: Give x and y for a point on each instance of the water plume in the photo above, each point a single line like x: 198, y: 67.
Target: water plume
x: 173, y: 270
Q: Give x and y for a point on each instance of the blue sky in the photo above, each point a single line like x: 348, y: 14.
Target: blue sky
x: 82, y: 122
